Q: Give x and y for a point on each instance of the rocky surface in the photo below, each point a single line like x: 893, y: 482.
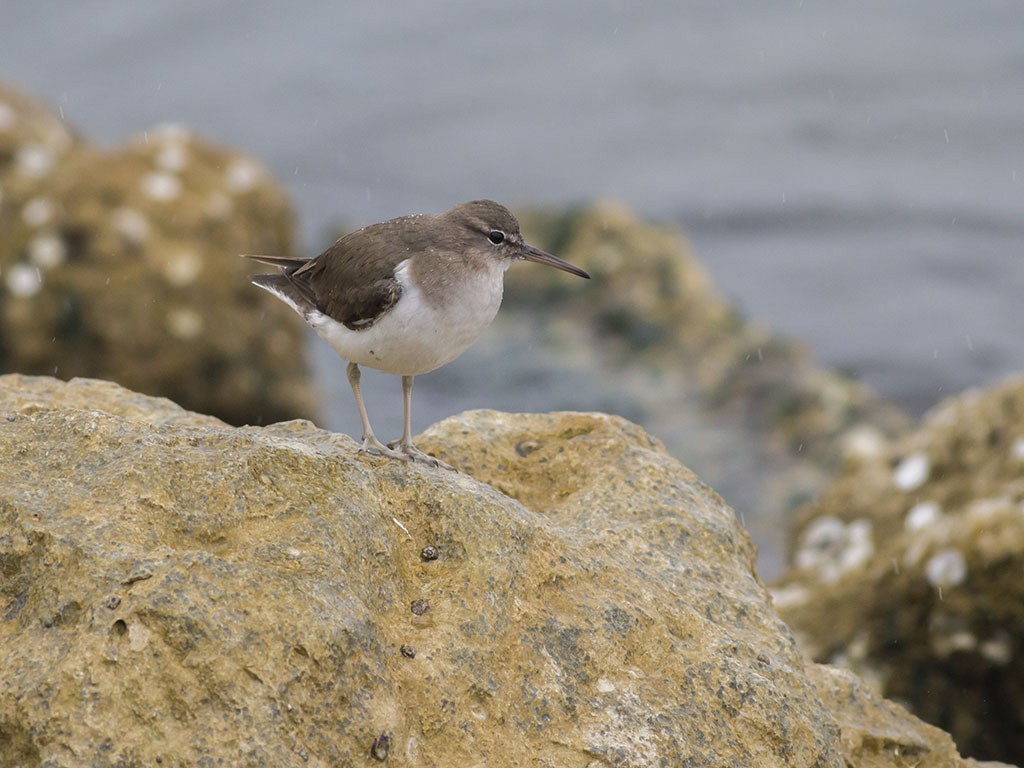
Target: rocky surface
x: 123, y: 264
x: 908, y: 570
x: 177, y: 591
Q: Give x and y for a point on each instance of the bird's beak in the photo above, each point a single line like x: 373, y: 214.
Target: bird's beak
x: 541, y: 257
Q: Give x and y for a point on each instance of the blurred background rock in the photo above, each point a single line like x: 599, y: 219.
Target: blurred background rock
x: 123, y: 264
x: 907, y: 570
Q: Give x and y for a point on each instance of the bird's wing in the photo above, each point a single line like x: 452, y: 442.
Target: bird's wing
x: 354, y: 280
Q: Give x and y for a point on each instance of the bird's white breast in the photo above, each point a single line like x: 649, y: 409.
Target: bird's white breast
x: 416, y: 335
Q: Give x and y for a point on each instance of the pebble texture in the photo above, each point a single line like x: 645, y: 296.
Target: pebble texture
x: 177, y: 591
x: 908, y: 570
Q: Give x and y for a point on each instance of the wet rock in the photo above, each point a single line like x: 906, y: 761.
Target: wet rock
x: 123, y: 264
x: 604, y: 612
x: 907, y: 570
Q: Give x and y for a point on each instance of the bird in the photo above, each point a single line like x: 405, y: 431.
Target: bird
x: 406, y: 296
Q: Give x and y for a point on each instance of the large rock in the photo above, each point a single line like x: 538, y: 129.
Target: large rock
x: 123, y: 264
x: 908, y: 570
x: 177, y: 591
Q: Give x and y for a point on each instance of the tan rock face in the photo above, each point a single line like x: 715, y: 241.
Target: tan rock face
x: 907, y: 570
x: 124, y: 264
x: 173, y: 588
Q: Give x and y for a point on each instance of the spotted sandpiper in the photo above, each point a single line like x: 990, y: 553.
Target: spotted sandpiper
x: 406, y: 296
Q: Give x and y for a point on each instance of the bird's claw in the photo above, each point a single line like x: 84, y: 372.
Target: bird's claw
x: 375, y: 447
x: 411, y: 453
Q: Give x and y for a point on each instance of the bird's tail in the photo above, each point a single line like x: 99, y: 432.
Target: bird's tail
x: 286, y: 291
x: 292, y: 291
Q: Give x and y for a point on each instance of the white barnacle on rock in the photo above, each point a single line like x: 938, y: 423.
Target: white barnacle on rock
x: 24, y: 281
x: 949, y: 634
x: 242, y: 175
x: 822, y: 535
x: 832, y: 548
x: 37, y: 211
x: 131, y: 224
x: 922, y: 515
x: 997, y: 649
x: 182, y: 268
x: 859, y: 646
x: 47, y: 250
x: 860, y: 545
x: 34, y: 160
x: 162, y: 186
x: 946, y: 645
x: 946, y: 568
x: 863, y: 443
x: 1017, y: 449
x: 171, y: 157
x: 789, y: 596
x: 912, y: 472
x: 184, y: 323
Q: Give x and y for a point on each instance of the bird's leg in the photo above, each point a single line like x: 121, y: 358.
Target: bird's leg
x: 370, y: 442
x: 404, y: 444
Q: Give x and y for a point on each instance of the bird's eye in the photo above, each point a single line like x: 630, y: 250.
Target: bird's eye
x: 496, y: 236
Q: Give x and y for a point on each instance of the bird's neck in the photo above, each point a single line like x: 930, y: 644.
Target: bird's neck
x: 447, y: 278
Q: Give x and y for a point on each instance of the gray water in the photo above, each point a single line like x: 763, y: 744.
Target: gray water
x: 852, y: 173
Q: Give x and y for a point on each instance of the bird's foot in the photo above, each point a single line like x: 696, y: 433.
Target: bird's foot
x: 375, y: 447
x: 412, y: 453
